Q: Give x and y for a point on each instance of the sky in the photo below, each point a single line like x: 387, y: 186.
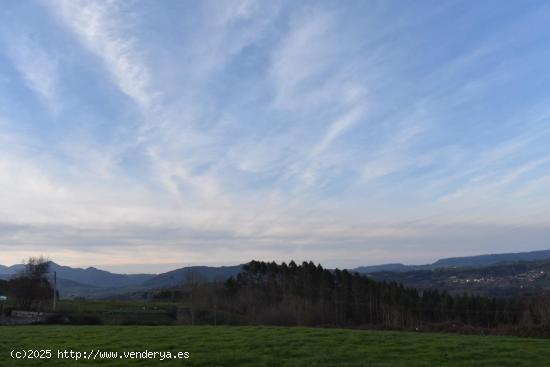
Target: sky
x: 140, y: 136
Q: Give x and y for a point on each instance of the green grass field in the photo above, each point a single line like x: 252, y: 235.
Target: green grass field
x: 272, y: 346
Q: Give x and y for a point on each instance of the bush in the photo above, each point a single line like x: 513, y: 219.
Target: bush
x: 73, y: 319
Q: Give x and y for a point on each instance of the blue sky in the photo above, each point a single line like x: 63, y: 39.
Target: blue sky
x: 145, y: 135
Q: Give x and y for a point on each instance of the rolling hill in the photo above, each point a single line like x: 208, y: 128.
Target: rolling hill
x: 179, y: 276
x: 99, y: 278
x: 466, y: 261
x: 96, y: 283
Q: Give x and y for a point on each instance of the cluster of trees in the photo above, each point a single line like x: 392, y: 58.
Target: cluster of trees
x: 307, y: 294
x: 30, y: 289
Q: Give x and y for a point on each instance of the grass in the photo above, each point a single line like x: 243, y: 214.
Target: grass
x: 273, y: 346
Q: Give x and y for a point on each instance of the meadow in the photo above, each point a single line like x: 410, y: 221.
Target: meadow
x: 270, y: 346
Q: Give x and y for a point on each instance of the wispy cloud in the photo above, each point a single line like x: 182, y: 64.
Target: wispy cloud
x: 218, y: 132
x: 97, y: 26
x: 38, y: 68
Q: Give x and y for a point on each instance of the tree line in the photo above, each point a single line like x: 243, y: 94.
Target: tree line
x: 309, y: 295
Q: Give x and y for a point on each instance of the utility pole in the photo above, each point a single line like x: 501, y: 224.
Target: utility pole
x: 2, y: 300
x: 54, y: 290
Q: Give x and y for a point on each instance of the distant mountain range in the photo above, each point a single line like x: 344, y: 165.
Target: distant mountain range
x: 505, y: 279
x: 495, y: 275
x: 467, y: 261
x: 183, y: 275
x: 11, y: 269
x: 96, y: 283
x: 99, y: 278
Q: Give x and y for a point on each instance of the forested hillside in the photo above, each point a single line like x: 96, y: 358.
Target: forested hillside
x: 310, y: 295
x: 508, y: 280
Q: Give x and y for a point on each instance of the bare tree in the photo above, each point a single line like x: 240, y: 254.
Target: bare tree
x: 31, y: 287
x: 37, y: 267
